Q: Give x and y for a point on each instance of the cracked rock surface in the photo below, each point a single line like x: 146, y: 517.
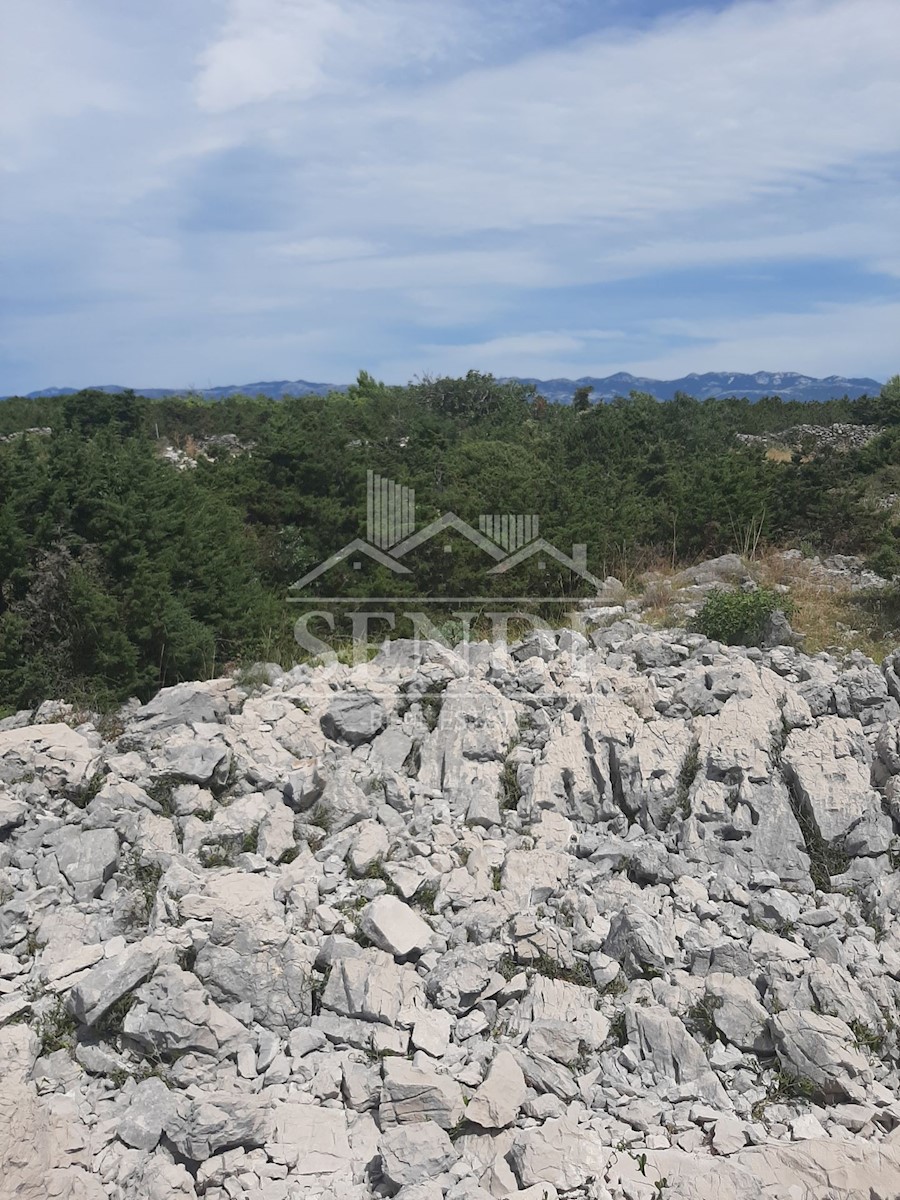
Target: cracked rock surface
x: 609, y: 917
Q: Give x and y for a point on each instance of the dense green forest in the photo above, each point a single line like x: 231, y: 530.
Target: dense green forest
x: 120, y: 573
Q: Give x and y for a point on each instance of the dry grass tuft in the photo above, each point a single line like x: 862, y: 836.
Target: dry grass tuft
x: 827, y: 612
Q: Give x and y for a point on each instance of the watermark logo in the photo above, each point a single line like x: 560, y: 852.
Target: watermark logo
x: 507, y: 544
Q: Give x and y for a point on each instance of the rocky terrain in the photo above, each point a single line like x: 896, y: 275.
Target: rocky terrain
x: 606, y: 917
x: 839, y: 436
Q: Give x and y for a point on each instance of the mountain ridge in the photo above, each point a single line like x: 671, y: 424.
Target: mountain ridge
x: 790, y: 385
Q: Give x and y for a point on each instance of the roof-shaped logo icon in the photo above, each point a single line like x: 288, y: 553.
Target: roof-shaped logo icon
x: 508, y: 539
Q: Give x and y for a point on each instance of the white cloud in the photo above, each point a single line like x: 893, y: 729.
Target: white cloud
x: 330, y: 249
x: 544, y: 347
x: 299, y: 48
x: 759, y: 102
x: 417, y: 178
x: 52, y: 69
x: 831, y: 339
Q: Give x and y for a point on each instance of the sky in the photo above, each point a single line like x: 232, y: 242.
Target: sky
x: 203, y: 192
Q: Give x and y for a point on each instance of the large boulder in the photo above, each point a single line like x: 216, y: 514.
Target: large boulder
x: 312, y: 1140
x: 640, y: 942
x: 497, y: 1101
x: 174, y: 1014
x: 412, y: 1154
x: 411, y: 1094
x: 354, y: 718
x: 44, y: 1151
x: 821, y: 1050
x: 275, y: 981
x: 735, y: 1010
x: 201, y: 1126
x: 395, y: 927
x: 560, y: 1153
x: 151, y: 1106
x: 371, y: 987
x: 662, y: 1040
x: 59, y: 756
x: 828, y: 765
x: 87, y: 860
x: 112, y: 978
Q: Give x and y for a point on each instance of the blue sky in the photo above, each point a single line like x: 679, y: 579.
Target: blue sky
x: 198, y: 192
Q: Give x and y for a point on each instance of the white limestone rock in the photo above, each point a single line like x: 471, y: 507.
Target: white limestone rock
x: 662, y: 1040
x: 497, y: 1101
x: 410, y: 1094
x: 412, y: 1154
x: 821, y: 1049
x: 371, y: 987
x: 112, y: 978
x: 201, y: 1126
x: 395, y: 927
x: 829, y: 766
x: 560, y: 1153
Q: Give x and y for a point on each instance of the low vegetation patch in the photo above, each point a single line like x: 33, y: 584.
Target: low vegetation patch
x: 739, y: 618
x: 56, y: 1029
x: 510, y: 791
x: 782, y: 1090
x: 139, y: 880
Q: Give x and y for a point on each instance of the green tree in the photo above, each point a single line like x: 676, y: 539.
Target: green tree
x: 581, y: 401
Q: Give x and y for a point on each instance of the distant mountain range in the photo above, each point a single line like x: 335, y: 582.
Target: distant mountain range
x: 787, y: 384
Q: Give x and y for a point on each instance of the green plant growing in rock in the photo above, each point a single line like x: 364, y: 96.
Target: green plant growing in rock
x: 425, y: 896
x: 825, y: 858
x: 139, y: 879
x: 110, y: 725
x: 462, y: 1126
x: 252, y: 678
x: 785, y: 1087
x: 551, y: 968
x: 110, y: 1024
x: 250, y: 841
x: 739, y: 618
x: 56, y: 1029
x: 320, y: 816
x: 617, y: 986
x: 82, y: 795
x: 686, y: 777
x: 639, y: 1158
x: 376, y: 870
x: 217, y: 856
x: 618, y: 1030
x: 866, y: 1037
x: 702, y: 1018
x: 152, y: 1067
x: 508, y: 967
x: 162, y: 792
x: 510, y: 791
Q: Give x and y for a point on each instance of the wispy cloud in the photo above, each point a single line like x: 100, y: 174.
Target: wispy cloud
x: 831, y: 339
x: 290, y: 188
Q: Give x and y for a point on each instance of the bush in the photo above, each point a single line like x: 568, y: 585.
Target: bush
x: 739, y: 618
